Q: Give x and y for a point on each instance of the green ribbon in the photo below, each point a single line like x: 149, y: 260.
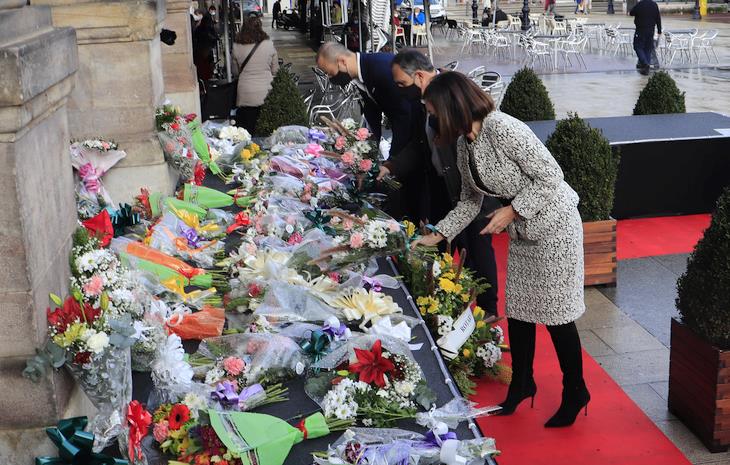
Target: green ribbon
x: 320, y: 220
x: 317, y: 345
x: 75, y: 445
x: 122, y: 218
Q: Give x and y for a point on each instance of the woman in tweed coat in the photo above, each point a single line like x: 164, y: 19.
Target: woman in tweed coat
x: 499, y: 156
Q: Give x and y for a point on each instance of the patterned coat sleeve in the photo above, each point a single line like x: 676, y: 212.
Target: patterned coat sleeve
x: 469, y: 205
x: 523, y: 147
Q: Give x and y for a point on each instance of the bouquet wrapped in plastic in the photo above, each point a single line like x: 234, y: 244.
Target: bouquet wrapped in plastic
x: 92, y: 158
x: 390, y: 446
x: 176, y: 237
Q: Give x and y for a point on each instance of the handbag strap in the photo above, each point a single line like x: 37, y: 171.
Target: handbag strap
x: 248, y: 57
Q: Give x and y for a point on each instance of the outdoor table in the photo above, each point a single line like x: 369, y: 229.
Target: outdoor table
x: 300, y: 405
x: 555, y: 39
x: 689, y: 32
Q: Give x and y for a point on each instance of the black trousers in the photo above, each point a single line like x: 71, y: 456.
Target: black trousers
x: 247, y: 117
x: 644, y: 46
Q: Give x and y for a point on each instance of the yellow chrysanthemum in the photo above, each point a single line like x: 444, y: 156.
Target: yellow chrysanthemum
x: 450, y: 275
x: 466, y: 353
x: 255, y: 148
x: 423, y: 300
x: 458, y: 288
x: 447, y: 285
x: 448, y: 259
x: 465, y: 298
x: 433, y: 307
x: 246, y: 154
x: 481, y: 324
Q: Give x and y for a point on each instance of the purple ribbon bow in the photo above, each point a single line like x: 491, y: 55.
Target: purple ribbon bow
x: 315, y: 135
x: 226, y: 395
x: 335, y: 331
x: 191, y: 236
x: 374, y: 283
x: 431, y: 439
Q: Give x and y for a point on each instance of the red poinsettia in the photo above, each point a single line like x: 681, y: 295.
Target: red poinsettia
x: 100, y: 226
x: 71, y: 311
x: 371, y: 365
x: 179, y: 415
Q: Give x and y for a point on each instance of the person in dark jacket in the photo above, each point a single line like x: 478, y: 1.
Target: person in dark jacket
x: 275, y: 12
x: 204, y: 40
x: 498, y: 16
x: 646, y: 18
x: 412, y: 72
x: 371, y: 73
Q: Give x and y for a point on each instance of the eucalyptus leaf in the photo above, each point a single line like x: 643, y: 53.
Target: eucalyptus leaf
x: 424, y: 395
x: 56, y: 355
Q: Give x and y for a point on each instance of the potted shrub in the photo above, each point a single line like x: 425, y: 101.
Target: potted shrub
x: 660, y: 96
x: 284, y: 106
x: 699, y: 366
x: 590, y: 167
x: 526, y: 98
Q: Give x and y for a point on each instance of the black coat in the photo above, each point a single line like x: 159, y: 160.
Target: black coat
x: 646, y: 17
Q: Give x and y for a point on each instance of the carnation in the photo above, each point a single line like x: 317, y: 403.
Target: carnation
x: 97, y: 342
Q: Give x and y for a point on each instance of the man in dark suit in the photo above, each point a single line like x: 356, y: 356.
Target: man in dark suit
x: 646, y: 18
x: 371, y: 73
x: 413, y: 72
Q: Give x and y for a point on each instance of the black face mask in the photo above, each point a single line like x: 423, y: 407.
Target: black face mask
x: 412, y: 92
x: 341, y: 79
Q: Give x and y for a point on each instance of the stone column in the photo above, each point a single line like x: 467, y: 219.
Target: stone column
x: 180, y: 76
x: 118, y: 86
x: 37, y: 218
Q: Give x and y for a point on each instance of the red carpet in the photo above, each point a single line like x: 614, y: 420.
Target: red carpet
x: 615, y: 432
x: 648, y: 237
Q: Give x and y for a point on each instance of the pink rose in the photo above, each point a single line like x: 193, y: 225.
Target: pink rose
x: 366, y: 164
x: 362, y: 134
x: 356, y: 241
x: 94, y: 286
x: 340, y: 143
x: 161, y: 431
x: 347, y: 224
x: 306, y: 197
x: 295, y: 238
x: 393, y: 226
x: 233, y: 365
x: 313, y: 149
x: 348, y: 158
x: 105, y: 145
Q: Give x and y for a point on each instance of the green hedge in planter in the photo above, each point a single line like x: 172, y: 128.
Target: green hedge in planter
x: 704, y: 289
x: 283, y: 106
x: 526, y: 98
x: 589, y: 165
x: 660, y: 96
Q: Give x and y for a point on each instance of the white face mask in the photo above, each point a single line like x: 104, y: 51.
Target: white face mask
x: 197, y: 17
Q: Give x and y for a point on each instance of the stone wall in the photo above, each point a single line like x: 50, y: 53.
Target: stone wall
x: 118, y: 86
x: 37, y: 218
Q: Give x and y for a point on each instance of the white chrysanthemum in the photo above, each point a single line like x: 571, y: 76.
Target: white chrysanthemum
x: 214, y: 375
x: 436, y: 268
x: 169, y: 367
x: 195, y: 403
x: 404, y: 388
x: 493, y: 355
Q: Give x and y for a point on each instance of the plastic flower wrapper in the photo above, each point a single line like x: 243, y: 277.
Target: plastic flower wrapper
x: 268, y: 358
x: 284, y: 302
x: 174, y: 237
x: 372, y: 379
x: 289, y: 135
x: 152, y: 205
x: 210, y: 198
x: 149, y: 333
x: 177, y: 145
x: 390, y: 446
x: 289, y: 165
x: 92, y: 159
x: 452, y: 413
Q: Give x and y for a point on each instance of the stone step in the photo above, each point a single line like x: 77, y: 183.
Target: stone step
x: 17, y: 23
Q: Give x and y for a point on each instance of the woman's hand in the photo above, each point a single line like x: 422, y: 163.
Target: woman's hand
x: 384, y: 171
x: 428, y: 241
x: 500, y: 219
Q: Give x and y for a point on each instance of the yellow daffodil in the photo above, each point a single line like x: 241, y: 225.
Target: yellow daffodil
x: 447, y: 285
x: 466, y: 353
x: 410, y: 228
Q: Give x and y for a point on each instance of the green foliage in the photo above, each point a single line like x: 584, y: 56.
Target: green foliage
x: 283, y: 106
x: 703, y: 290
x: 660, y: 96
x: 526, y: 98
x: 589, y: 165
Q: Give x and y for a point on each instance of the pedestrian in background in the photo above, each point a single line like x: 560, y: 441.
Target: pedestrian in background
x: 204, y: 40
x: 646, y: 19
x: 275, y: 12
x: 255, y: 61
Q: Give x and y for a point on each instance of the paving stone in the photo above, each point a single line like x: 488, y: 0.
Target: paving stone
x: 629, y: 338
x: 653, y: 405
x: 677, y: 263
x: 661, y: 388
x: 593, y: 344
x: 637, y: 367
x: 601, y: 313
x: 690, y: 446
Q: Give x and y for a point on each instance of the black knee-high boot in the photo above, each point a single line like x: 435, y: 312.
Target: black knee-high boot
x: 522, y: 347
x: 575, y: 394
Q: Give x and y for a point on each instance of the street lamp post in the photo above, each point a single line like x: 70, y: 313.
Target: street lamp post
x: 526, y: 15
x: 696, y: 13
x: 610, y: 8
x: 475, y: 11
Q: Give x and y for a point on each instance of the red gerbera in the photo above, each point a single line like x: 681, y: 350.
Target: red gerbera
x: 371, y: 365
x: 179, y: 415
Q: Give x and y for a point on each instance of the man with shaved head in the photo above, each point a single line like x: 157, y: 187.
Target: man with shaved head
x: 371, y: 73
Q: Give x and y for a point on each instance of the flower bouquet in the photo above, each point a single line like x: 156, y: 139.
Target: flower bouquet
x: 187, y: 129
x: 92, y: 158
x: 373, y: 380
x: 368, y: 446
x: 446, y: 289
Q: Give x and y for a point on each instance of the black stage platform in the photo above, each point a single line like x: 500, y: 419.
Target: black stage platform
x: 670, y: 164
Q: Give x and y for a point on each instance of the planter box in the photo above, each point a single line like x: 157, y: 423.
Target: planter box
x: 699, y: 387
x: 599, y: 248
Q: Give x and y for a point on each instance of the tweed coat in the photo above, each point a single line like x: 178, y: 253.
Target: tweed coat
x: 545, y: 264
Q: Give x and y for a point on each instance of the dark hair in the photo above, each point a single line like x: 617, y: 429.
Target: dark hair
x: 412, y: 60
x: 251, y: 31
x: 458, y: 102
